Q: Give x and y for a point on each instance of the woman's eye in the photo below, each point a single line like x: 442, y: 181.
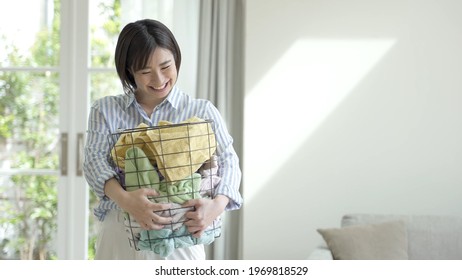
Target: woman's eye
x: 166, y: 67
x: 144, y: 73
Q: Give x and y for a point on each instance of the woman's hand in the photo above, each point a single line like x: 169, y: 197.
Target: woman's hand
x: 143, y: 210
x: 137, y: 204
x: 206, y: 211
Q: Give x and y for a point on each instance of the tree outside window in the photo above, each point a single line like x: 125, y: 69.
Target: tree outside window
x: 29, y: 134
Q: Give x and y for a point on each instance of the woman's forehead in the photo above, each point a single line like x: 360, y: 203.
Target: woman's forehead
x: 159, y: 56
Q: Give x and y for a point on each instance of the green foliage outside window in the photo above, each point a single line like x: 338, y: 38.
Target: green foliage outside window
x: 29, y: 117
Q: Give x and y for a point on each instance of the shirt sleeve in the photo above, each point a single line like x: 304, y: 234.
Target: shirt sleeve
x: 228, y: 161
x: 97, y: 168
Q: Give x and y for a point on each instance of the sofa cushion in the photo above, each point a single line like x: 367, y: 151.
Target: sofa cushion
x: 381, y: 241
x: 430, y: 237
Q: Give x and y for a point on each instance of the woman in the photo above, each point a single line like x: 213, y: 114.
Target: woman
x: 148, y: 59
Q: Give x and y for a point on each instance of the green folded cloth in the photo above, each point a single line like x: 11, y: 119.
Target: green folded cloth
x: 139, y: 172
x: 182, y: 190
x: 163, y: 242
x: 157, y: 241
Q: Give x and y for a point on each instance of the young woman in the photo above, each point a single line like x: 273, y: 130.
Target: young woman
x: 148, y: 60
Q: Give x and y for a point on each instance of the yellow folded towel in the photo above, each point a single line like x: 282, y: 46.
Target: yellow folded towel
x: 181, y: 149
x: 127, y: 140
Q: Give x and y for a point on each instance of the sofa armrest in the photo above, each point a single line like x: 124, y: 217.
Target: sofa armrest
x: 321, y: 253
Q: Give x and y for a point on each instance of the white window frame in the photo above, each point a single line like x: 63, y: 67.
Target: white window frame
x: 74, y: 88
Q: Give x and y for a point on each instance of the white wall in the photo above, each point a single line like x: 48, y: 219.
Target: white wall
x: 351, y: 106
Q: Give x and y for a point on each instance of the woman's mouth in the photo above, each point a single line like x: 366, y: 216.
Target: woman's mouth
x: 160, y: 88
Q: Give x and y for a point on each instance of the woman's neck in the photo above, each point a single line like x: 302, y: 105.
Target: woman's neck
x: 148, y: 104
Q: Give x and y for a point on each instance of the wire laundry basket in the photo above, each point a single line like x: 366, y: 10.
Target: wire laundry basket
x: 179, y: 162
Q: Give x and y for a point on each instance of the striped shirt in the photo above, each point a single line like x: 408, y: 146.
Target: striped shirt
x: 110, y: 114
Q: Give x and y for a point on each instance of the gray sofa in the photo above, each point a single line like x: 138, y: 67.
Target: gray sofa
x: 375, y: 236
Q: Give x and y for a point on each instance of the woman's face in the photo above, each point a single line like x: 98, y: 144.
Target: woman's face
x: 157, y: 78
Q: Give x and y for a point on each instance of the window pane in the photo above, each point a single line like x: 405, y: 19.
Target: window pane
x: 28, y: 210
x: 107, y: 17
x: 29, y: 119
x: 104, y: 84
x: 28, y: 144
x: 104, y: 28
x: 29, y: 33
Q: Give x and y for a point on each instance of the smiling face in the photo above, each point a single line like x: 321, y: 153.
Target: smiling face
x: 155, y: 81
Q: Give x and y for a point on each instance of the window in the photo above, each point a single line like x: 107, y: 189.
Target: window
x: 58, y: 59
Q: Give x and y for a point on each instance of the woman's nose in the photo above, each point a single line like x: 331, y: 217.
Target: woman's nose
x: 157, y: 78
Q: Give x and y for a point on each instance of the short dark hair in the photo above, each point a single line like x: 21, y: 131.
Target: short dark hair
x: 136, y: 42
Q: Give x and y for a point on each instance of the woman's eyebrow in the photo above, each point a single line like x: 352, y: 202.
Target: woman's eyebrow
x: 161, y: 64
x: 165, y: 62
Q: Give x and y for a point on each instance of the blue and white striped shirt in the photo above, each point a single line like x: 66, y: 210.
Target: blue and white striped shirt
x: 110, y: 114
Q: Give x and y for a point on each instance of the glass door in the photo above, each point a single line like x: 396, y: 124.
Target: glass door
x: 29, y: 128
x: 43, y: 86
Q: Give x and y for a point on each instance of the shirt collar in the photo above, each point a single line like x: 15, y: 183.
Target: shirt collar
x: 130, y: 98
x: 172, y: 98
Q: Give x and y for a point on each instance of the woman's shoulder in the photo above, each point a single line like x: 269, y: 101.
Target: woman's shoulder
x: 120, y: 99
x: 188, y: 100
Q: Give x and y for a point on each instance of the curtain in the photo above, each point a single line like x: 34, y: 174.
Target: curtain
x: 220, y: 80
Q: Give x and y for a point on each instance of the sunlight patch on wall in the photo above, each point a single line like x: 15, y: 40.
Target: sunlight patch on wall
x: 296, y: 95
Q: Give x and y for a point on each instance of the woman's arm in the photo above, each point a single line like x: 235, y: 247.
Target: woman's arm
x: 226, y: 195
x: 101, y: 176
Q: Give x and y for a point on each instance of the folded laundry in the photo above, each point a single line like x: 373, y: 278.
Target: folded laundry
x: 121, y: 176
x: 178, y: 161
x: 158, y: 241
x: 135, y: 138
x: 180, y: 191
x: 163, y: 242
x: 212, y: 162
x: 210, y: 178
x: 139, y: 173
x: 178, y: 150
x: 181, y: 149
